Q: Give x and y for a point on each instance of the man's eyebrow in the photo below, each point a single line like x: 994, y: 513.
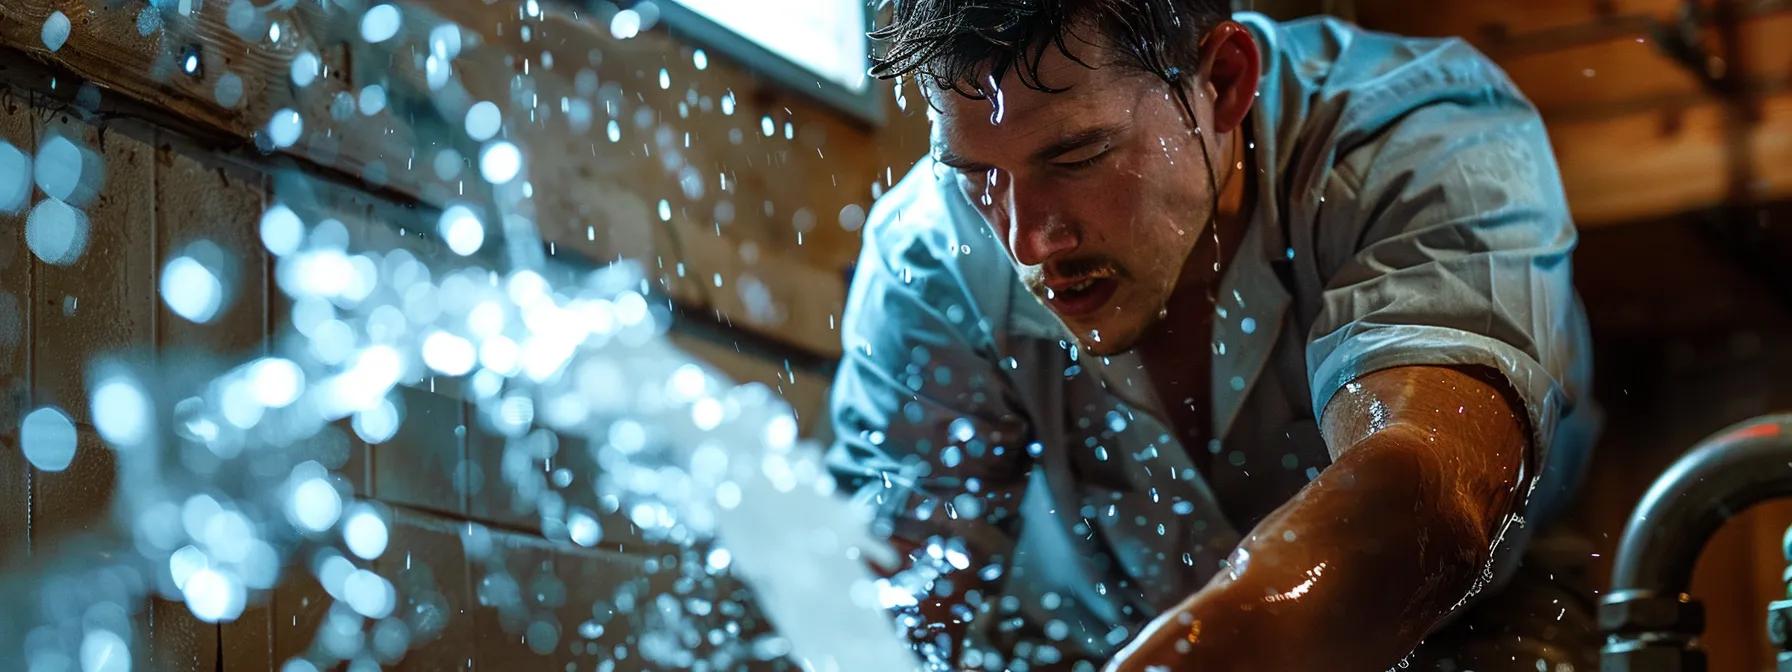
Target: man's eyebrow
x: 953, y: 160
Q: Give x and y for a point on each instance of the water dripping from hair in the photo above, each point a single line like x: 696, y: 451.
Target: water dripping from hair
x: 996, y: 101
x: 1213, y: 191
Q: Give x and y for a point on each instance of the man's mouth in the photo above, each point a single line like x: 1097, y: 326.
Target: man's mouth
x: 1081, y: 296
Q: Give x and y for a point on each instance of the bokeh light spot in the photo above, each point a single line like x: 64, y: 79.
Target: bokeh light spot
x: 380, y: 23
x: 483, y: 121
x: 48, y: 439
x: 500, y: 162
x: 56, y: 232
x: 191, y: 290
x: 365, y: 533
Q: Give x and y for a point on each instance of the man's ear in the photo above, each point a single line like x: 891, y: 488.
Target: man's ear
x: 1230, y: 65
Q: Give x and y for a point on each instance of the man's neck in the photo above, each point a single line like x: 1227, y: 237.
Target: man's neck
x: 1177, y: 352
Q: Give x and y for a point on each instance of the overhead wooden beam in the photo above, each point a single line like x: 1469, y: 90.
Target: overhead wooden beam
x: 1632, y: 74
x: 1484, y: 23
x: 1662, y: 162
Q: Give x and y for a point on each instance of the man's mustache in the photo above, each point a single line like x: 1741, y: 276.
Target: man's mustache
x: 1073, y: 268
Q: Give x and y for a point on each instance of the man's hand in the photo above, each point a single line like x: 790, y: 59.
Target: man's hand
x: 1350, y: 574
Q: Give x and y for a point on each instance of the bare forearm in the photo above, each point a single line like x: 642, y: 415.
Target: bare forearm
x: 1353, y: 571
x: 1347, y: 576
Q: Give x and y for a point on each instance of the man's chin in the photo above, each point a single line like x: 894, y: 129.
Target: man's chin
x: 1101, y: 337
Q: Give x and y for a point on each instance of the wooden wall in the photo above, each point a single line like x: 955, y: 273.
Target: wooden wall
x: 755, y: 260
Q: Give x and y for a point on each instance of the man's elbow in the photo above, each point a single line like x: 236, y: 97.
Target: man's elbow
x: 1459, y: 509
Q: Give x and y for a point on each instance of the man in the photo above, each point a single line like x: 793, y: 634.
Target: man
x: 1283, y: 366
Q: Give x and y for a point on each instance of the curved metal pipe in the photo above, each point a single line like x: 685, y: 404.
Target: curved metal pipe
x: 1649, y: 620
x: 1735, y: 468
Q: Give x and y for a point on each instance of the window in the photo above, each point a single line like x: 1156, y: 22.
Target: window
x: 817, y: 47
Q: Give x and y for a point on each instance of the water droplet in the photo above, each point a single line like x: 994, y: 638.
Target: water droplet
x: 305, y: 69
x: 121, y: 412
x: 372, y: 99
x: 281, y: 230
x: 997, y: 101
x: 707, y: 413
x: 483, y: 120
x: 276, y: 382
x: 15, y: 177
x: 448, y: 354
x: 500, y: 162
x: 365, y: 533
x: 377, y: 423
x: 368, y: 594
x: 191, y: 290
x: 68, y: 171
x: 962, y: 430
x: 315, y: 505
x: 48, y: 439
x: 104, y: 651
x: 460, y: 227
x: 285, y: 127
x: 444, y: 41
x: 852, y: 217
x: 584, y: 529
x: 229, y: 90
x: 380, y: 23
x: 55, y: 32
x: 626, y: 24
x: 213, y: 596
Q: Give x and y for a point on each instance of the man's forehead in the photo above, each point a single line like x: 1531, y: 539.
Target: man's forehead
x: 1019, y: 119
x: 1070, y: 76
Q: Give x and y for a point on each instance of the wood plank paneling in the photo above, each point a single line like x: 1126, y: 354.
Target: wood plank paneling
x: 1482, y: 22
x: 16, y: 303
x: 100, y: 304
x: 104, y: 300
x: 204, y: 200
x: 1673, y: 161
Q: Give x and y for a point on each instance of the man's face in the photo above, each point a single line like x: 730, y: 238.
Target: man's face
x: 1099, y: 192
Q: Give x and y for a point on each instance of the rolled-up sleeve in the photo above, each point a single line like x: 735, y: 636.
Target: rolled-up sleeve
x: 1456, y: 252
x: 925, y: 423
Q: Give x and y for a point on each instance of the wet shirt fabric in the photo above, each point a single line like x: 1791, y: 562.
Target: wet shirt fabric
x: 1408, y: 212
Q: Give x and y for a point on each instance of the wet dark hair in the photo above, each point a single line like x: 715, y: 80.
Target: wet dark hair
x: 954, y: 43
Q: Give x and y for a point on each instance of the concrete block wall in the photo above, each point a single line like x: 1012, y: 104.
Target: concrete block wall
x: 440, y: 479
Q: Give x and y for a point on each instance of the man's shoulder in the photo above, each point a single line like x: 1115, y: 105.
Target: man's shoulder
x: 923, y: 239
x: 1324, y: 76
x: 919, y: 220
x: 1328, y: 53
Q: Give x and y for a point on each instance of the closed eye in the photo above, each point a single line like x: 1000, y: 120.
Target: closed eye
x: 1092, y: 156
x: 1085, y: 163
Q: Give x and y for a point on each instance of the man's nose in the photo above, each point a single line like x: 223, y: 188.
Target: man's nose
x: 1037, y: 229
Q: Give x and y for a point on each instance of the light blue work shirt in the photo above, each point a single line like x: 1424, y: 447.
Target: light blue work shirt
x: 1408, y: 212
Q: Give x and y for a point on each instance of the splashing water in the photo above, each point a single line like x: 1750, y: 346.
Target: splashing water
x: 229, y: 468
